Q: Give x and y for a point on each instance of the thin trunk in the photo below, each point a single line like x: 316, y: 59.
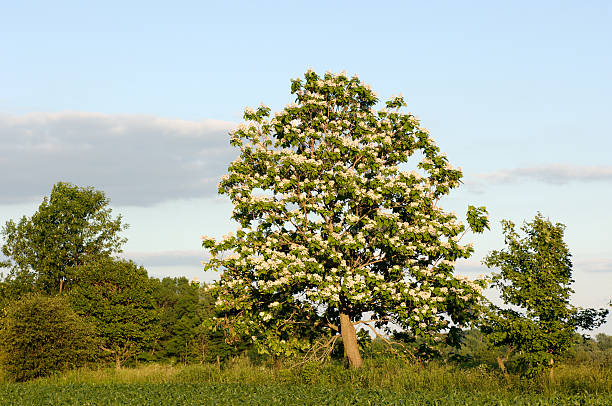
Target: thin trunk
x: 61, y: 285
x: 117, y: 362
x: 502, y: 366
x: 552, y: 363
x: 501, y: 362
x: 349, y: 340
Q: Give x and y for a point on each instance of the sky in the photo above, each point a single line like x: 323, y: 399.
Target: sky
x: 137, y: 99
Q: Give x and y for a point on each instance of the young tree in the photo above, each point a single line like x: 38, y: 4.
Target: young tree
x: 333, y: 229
x: 40, y: 335
x: 535, y: 274
x: 117, y: 297
x: 71, y: 227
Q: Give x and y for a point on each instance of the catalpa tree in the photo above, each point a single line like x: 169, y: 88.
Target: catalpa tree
x: 335, y: 230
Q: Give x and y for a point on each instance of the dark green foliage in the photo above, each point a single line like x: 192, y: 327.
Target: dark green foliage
x: 41, y: 335
x: 73, y: 226
x: 180, y: 316
x: 117, y: 297
x: 477, y: 218
x: 212, y: 342
x: 534, y: 278
x: 185, y: 310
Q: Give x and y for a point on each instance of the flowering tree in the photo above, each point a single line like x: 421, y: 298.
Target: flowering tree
x: 332, y: 229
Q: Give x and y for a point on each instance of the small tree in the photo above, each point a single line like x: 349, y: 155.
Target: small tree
x: 535, y: 277
x: 71, y: 227
x: 40, y: 335
x: 117, y: 297
x: 334, y: 225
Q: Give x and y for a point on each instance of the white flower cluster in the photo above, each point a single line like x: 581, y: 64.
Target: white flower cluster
x: 327, y: 214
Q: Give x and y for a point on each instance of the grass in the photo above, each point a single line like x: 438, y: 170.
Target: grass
x: 382, y: 381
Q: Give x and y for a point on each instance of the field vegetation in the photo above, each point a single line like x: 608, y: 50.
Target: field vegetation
x: 381, y: 380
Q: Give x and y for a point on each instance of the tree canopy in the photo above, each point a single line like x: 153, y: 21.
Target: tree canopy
x: 117, y: 297
x: 534, y: 278
x: 73, y: 226
x: 336, y: 226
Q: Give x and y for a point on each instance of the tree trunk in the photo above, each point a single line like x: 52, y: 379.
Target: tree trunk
x: 552, y: 365
x: 501, y: 361
x: 349, y: 340
x: 117, y: 362
x: 502, y: 366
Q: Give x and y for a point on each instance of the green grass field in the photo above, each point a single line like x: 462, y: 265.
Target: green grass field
x: 381, y: 382
x: 273, y: 394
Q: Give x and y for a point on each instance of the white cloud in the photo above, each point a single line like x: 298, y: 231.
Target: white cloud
x: 176, y: 258
x: 553, y: 174
x: 593, y: 264
x: 136, y: 159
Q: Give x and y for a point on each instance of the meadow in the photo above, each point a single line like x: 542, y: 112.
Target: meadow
x: 379, y: 382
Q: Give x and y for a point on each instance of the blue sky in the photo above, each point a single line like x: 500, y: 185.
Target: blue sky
x: 136, y: 98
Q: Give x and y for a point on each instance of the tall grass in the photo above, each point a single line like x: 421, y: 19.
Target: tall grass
x: 387, y: 374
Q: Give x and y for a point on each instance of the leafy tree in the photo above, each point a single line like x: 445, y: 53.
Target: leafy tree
x: 117, y: 297
x: 71, y: 227
x: 535, y: 274
x: 335, y: 226
x: 40, y: 335
x: 180, y: 316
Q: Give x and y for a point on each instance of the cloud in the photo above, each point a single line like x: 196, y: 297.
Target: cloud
x: 593, y: 264
x: 178, y: 258
x: 136, y: 159
x: 555, y: 174
x: 470, y: 267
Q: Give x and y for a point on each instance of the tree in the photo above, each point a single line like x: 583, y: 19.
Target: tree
x: 333, y: 230
x: 180, y: 315
x: 535, y: 274
x: 41, y: 335
x: 117, y: 297
x: 71, y: 227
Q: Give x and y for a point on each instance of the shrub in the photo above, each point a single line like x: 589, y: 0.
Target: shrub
x: 41, y: 335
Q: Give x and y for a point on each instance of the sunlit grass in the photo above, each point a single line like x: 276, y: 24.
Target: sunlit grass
x: 390, y: 374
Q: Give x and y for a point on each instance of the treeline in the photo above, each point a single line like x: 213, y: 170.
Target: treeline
x: 113, y: 314
x: 67, y: 300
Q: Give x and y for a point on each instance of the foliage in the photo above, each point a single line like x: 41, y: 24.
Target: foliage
x: 535, y: 277
x: 185, y: 309
x: 332, y: 226
x: 71, y: 227
x: 177, y: 302
x: 117, y: 297
x: 594, y: 352
x: 41, y: 335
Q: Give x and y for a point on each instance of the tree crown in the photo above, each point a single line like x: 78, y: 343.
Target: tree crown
x: 333, y: 220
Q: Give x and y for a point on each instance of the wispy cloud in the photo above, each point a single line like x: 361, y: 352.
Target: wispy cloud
x: 553, y: 174
x: 593, y: 264
x: 136, y: 159
x: 178, y: 258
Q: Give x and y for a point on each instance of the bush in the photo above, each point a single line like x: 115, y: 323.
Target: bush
x: 41, y: 335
